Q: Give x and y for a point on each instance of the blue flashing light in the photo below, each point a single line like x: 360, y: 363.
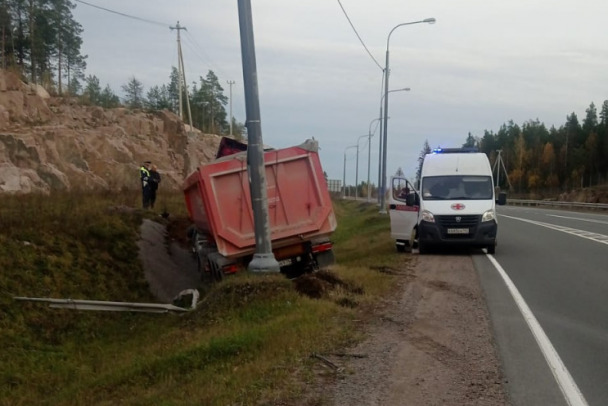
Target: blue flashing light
x: 454, y: 150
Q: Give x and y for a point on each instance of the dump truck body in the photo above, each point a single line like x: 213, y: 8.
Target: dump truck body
x: 300, y: 211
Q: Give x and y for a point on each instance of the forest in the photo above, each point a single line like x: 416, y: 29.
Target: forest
x: 553, y: 160
x: 41, y: 41
x: 541, y: 161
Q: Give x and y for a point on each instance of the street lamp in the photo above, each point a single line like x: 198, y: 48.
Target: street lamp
x: 344, y: 173
x: 369, y: 154
x: 405, y: 89
x: 357, y: 170
x: 386, y: 76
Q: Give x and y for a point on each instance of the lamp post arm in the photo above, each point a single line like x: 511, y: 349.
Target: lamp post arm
x: 370, y: 126
x: 426, y: 20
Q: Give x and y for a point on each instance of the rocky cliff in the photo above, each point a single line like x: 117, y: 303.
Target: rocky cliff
x: 54, y: 143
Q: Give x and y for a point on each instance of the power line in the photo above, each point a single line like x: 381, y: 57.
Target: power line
x: 123, y: 14
x: 202, y: 55
x: 192, y: 45
x: 358, y: 36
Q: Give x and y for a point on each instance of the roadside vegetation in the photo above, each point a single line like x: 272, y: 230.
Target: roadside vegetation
x: 250, y: 341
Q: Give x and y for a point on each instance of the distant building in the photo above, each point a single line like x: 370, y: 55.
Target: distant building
x: 334, y: 185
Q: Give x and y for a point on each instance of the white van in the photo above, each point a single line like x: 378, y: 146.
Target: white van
x: 454, y: 206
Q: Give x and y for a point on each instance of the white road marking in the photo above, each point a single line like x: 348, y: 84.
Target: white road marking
x: 570, y: 390
x: 579, y: 219
x: 601, y: 238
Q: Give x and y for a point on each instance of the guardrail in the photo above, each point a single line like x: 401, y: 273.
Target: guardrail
x: 555, y: 203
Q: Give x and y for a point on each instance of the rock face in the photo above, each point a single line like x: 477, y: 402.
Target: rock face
x: 54, y: 143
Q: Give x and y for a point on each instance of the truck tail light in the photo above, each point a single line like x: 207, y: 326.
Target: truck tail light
x: 322, y: 247
x: 232, y: 268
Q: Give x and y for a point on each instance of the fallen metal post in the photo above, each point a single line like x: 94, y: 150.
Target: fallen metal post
x: 101, y: 305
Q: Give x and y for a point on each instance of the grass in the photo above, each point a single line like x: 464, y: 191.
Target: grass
x: 248, y: 343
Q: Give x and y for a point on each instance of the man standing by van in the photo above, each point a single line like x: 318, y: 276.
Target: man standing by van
x: 146, y: 184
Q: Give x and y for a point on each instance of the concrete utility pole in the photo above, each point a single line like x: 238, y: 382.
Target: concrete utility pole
x: 500, y: 164
x: 263, y: 259
x: 230, y: 83
x: 182, y: 75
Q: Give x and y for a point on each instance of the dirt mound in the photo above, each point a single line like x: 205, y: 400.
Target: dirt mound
x: 325, y: 284
x: 177, y: 231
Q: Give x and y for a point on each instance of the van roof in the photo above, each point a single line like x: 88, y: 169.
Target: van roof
x: 456, y: 164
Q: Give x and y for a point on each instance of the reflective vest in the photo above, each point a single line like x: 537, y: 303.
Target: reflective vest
x: 144, y: 173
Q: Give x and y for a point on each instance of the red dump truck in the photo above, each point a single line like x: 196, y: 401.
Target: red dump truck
x: 299, y: 206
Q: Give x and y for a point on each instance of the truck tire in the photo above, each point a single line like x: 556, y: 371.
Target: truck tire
x: 216, y: 273
x: 491, y: 249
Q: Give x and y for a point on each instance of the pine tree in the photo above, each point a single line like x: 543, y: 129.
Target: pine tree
x: 426, y: 149
x: 92, y: 90
x: 134, y: 93
x: 471, y: 142
x: 158, y: 98
x: 108, y: 99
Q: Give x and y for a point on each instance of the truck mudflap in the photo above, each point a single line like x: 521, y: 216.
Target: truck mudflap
x: 313, y: 256
x: 323, y: 254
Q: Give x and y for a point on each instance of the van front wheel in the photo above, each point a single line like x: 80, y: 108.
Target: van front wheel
x: 422, y: 248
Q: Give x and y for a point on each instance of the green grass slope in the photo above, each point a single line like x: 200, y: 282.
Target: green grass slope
x: 249, y: 342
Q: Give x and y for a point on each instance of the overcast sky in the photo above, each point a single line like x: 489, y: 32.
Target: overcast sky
x: 483, y: 63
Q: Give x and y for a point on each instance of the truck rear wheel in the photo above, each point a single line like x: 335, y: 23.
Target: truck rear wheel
x: 216, y: 273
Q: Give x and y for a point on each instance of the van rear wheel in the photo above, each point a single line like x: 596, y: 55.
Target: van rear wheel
x: 491, y: 249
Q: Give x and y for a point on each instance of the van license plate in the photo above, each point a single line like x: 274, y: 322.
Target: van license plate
x: 458, y: 231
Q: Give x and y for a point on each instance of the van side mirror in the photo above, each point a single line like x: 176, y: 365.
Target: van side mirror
x: 502, y: 199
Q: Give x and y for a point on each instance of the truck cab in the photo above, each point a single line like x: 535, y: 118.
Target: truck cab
x: 456, y: 203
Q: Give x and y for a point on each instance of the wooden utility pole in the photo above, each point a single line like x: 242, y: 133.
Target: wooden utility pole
x: 182, y: 76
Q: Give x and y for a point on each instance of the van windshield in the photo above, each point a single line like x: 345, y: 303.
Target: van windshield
x: 457, y: 188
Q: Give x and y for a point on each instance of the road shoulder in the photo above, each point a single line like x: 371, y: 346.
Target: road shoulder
x: 430, y: 344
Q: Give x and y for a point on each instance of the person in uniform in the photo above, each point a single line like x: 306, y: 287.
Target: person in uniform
x: 154, y: 182
x: 146, y: 187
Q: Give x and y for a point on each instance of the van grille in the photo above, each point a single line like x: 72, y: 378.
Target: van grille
x: 458, y: 221
x: 451, y: 222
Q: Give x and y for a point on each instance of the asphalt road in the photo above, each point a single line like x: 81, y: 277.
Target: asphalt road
x: 558, y: 262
